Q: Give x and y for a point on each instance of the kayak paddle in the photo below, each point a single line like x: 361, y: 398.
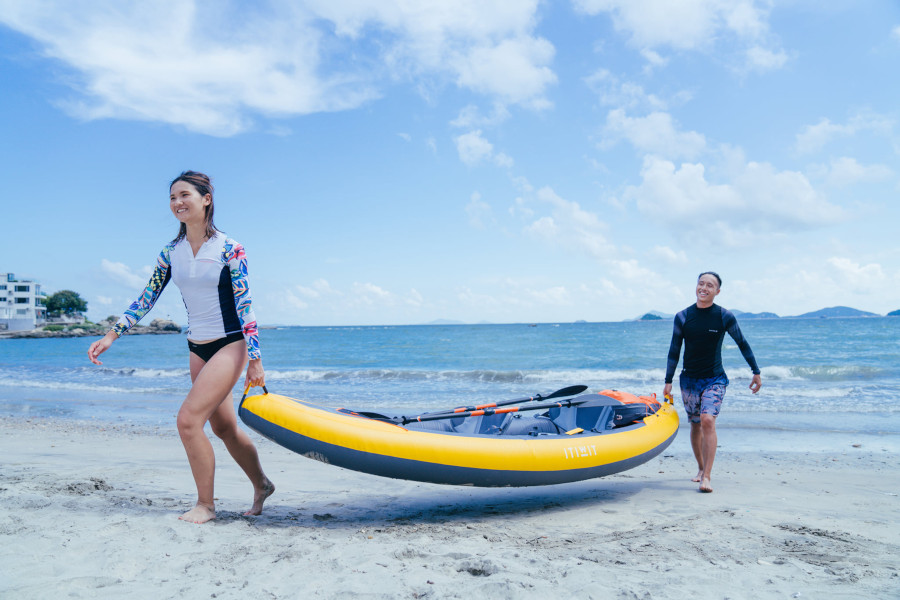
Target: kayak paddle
x: 572, y: 390
x: 489, y: 411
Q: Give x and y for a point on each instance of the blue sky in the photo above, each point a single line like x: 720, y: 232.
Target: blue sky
x: 390, y: 162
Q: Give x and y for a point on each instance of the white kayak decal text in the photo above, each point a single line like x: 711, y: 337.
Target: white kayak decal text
x: 580, y: 451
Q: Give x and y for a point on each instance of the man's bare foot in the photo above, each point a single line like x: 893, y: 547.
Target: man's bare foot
x: 705, y: 485
x: 698, y: 476
x: 199, y: 514
x: 259, y: 496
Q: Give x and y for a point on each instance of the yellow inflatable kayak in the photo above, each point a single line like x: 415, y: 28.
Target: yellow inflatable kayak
x: 587, y: 436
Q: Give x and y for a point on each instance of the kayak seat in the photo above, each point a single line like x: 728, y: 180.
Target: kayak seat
x: 482, y: 424
x: 628, y: 414
x: 522, y: 425
x: 593, y: 414
x: 440, y: 425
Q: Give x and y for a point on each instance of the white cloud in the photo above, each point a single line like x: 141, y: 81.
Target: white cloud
x: 319, y: 288
x: 479, y: 211
x: 470, y: 116
x: 359, y: 302
x: 553, y: 296
x: 691, y: 25
x: 570, y: 226
x: 814, y: 138
x: 846, y: 171
x: 896, y: 33
x: 668, y: 255
x: 215, y: 69
x: 655, y: 134
x: 474, y: 149
x: 369, y: 293
x: 653, y: 58
x: 764, y: 59
x: 850, y: 273
x: 124, y: 275
x: 686, y: 24
x: 758, y: 201
x: 622, y: 94
x: 514, y: 70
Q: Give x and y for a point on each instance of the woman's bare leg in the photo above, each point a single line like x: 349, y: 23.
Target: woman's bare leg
x: 212, y: 383
x: 224, y: 424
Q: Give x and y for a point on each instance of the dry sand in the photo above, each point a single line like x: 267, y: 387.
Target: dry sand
x: 89, y: 510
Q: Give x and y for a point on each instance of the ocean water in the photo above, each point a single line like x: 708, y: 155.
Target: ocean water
x: 827, y: 383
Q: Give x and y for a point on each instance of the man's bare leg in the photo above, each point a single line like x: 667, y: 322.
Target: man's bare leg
x: 708, y: 445
x: 697, y: 447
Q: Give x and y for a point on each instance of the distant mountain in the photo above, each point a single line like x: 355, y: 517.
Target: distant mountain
x: 650, y: 317
x: 653, y: 315
x: 894, y: 313
x: 749, y: 315
x: 835, y: 312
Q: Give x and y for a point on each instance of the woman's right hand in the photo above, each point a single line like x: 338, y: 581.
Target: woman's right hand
x: 101, y: 346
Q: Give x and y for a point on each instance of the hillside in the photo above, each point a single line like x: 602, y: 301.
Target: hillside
x: 836, y: 312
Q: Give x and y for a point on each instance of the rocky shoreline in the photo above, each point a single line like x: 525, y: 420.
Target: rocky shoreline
x: 156, y: 327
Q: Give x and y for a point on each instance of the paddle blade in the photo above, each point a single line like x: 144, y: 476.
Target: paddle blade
x: 572, y: 390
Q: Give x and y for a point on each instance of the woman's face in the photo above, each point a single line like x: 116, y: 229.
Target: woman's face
x: 187, y: 204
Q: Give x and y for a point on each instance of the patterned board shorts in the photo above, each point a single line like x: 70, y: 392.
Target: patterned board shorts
x: 702, y: 396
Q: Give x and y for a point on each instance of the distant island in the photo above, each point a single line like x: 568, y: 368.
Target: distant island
x: 835, y: 312
x: 85, y: 329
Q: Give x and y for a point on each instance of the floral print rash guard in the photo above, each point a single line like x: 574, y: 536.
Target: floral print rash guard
x: 214, y: 288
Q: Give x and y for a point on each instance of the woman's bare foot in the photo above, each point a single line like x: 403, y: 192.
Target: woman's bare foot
x: 698, y: 476
x: 259, y: 496
x: 199, y: 514
x: 705, y: 485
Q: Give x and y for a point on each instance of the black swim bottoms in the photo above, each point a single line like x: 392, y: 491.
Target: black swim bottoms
x: 208, y: 350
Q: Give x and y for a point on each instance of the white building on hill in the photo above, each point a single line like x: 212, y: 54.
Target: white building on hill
x: 21, y: 303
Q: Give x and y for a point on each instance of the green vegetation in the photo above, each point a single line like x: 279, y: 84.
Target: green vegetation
x: 65, y: 302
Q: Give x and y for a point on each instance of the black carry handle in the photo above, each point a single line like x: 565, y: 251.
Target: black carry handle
x: 247, y: 389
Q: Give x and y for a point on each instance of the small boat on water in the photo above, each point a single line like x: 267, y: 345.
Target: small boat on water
x: 495, y: 444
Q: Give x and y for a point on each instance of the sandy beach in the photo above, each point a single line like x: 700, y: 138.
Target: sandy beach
x: 89, y: 510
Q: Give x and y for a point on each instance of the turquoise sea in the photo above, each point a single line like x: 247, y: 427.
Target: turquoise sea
x: 827, y: 383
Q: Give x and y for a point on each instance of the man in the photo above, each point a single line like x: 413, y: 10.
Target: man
x: 702, y: 328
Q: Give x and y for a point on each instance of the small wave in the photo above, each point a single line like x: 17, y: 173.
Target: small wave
x: 142, y: 372
x: 77, y: 387
x: 824, y: 373
x: 593, y: 377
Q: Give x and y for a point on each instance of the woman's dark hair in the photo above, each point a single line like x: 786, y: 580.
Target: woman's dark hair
x: 713, y: 273
x: 204, y: 186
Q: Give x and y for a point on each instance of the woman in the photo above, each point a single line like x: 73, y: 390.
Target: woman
x: 210, y: 269
x: 702, y: 327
